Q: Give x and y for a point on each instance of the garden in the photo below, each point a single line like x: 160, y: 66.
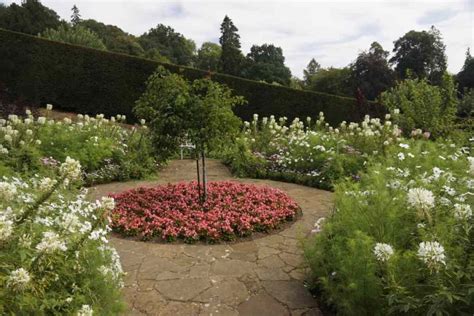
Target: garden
x: 327, y: 205
x: 400, y: 232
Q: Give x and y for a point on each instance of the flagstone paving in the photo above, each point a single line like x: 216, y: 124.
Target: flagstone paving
x: 261, y: 276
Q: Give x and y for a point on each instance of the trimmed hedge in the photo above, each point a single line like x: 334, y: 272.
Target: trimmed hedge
x: 91, y: 81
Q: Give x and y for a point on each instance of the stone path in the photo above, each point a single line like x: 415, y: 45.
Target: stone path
x: 259, y: 277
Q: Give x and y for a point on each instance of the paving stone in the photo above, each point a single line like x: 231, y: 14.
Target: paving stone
x: 307, y: 312
x: 199, y: 270
x: 145, y: 285
x: 148, y: 302
x: 178, y: 309
x: 291, y: 259
x: 262, y: 305
x: 251, y: 282
x: 183, y: 289
x: 209, y: 309
x: 271, y: 262
x: 298, y: 274
x: 269, y: 274
x: 264, y: 252
x: 291, y: 293
x: 232, y: 267
x: 229, y: 292
x: 167, y: 275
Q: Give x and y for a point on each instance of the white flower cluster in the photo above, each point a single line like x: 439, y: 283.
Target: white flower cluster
x: 70, y: 169
x: 383, y: 252
x: 462, y: 211
x: 18, y: 279
x: 85, y: 310
x: 471, y: 165
x: 6, y: 227
x: 50, y: 243
x: 7, y: 191
x: 432, y: 253
x: 421, y: 198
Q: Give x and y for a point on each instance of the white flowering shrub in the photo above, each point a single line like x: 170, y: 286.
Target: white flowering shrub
x: 400, y: 240
x: 307, y: 152
x: 54, y: 254
x: 107, y: 150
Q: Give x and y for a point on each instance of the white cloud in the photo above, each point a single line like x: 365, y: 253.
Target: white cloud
x: 333, y: 32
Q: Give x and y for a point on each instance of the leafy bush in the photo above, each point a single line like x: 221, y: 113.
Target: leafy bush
x: 54, y: 255
x: 90, y: 81
x: 310, y: 153
x: 102, y: 144
x: 400, y: 239
x: 422, y: 105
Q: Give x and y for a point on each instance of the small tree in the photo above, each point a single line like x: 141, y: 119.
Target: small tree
x: 422, y: 105
x: 177, y: 110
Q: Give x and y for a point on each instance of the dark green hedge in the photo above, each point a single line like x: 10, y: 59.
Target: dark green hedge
x: 90, y: 81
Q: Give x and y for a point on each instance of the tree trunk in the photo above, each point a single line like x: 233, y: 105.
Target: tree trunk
x: 198, y: 176
x: 204, y: 180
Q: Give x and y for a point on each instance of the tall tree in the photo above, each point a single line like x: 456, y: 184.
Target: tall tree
x: 311, y: 70
x: 114, y: 38
x: 30, y: 17
x: 76, y: 16
x: 169, y: 43
x: 423, y: 53
x: 371, y: 72
x: 267, y: 63
x: 465, y: 77
x: 231, y: 57
x: 208, y: 56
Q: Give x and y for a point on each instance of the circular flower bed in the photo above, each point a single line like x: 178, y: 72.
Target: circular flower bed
x: 173, y: 211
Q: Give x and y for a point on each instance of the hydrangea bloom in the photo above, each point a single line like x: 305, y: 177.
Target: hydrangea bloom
x: 421, y: 198
x: 18, y: 279
x: 432, y: 253
x: 383, y: 252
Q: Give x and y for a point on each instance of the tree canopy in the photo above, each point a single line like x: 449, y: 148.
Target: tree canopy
x: 231, y: 57
x: 422, y: 54
x: 333, y: 81
x: 465, y: 77
x: 267, y: 63
x: 311, y: 70
x: 29, y: 17
x: 114, y: 38
x: 371, y: 72
x: 169, y: 43
x: 208, y: 56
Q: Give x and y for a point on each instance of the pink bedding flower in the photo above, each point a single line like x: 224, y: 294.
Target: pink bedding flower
x: 173, y: 211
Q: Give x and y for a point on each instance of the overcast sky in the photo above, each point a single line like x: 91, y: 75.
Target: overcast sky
x: 333, y: 32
